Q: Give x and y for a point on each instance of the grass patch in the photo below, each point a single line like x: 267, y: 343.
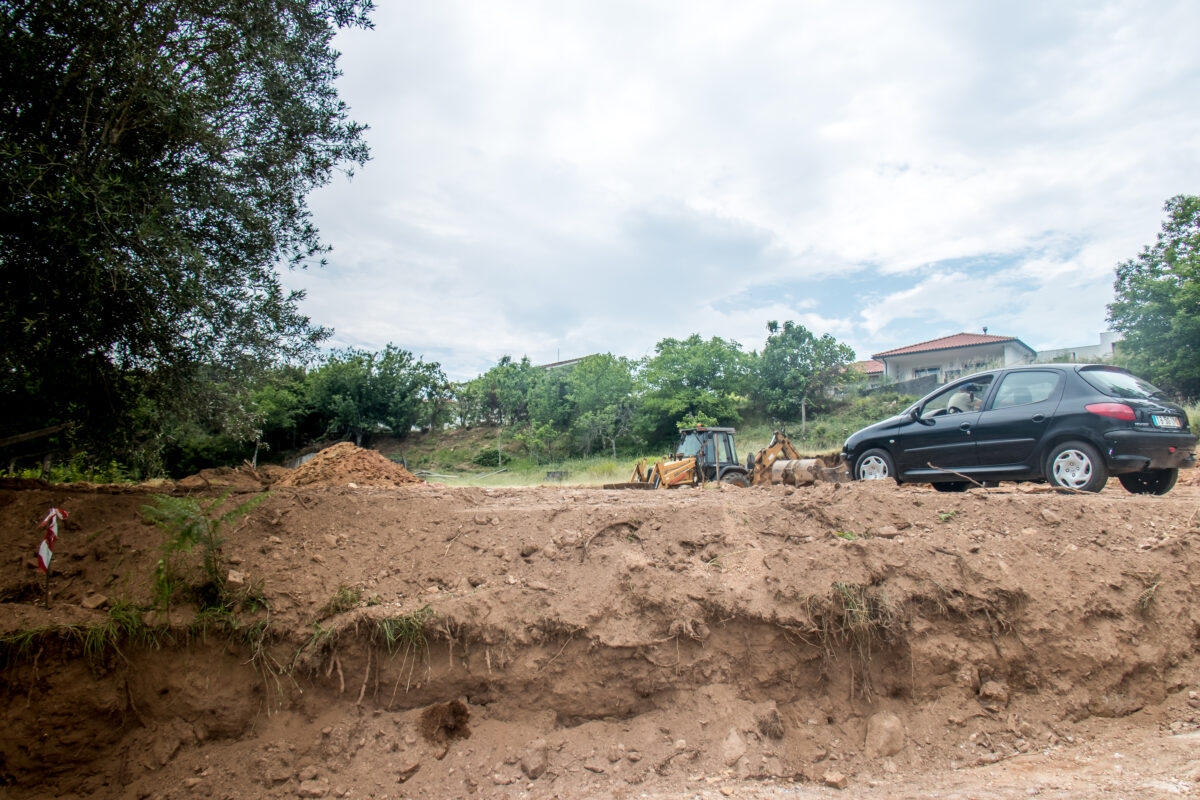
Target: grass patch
x: 344, y: 599
x: 97, y: 643
x: 861, y: 617
x: 406, y: 632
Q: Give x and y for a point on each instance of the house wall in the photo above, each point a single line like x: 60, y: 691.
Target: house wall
x: 1090, y: 352
x: 950, y: 364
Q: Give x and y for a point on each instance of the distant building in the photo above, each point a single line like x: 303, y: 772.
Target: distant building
x: 1089, y: 352
x: 870, y: 370
x: 951, y: 356
x: 570, y: 362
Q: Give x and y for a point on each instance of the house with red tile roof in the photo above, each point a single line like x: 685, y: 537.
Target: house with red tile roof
x: 870, y: 370
x: 948, y: 357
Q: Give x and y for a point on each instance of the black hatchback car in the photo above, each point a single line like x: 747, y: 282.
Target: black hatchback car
x: 1071, y: 425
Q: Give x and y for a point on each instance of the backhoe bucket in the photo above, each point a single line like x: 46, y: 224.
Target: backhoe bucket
x: 805, y: 472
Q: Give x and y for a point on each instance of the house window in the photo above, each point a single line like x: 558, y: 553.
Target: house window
x: 923, y: 371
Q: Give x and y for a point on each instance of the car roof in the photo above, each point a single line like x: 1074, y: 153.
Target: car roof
x: 1055, y: 365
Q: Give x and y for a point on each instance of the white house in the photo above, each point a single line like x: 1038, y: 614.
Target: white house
x: 951, y: 356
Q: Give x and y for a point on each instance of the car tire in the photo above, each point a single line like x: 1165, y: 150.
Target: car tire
x: 1150, y: 481
x: 875, y: 464
x: 1076, y: 466
x: 735, y: 479
x: 951, y: 486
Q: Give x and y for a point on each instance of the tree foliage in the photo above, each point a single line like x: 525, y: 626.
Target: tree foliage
x: 796, y: 367
x: 1157, y: 301
x: 692, y: 376
x: 356, y: 392
x: 155, y: 158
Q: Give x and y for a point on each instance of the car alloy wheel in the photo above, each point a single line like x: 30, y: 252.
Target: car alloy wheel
x: 1072, y: 469
x: 1076, y: 466
x: 874, y: 466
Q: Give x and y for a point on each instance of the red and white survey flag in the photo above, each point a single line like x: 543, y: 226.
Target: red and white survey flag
x: 46, y: 550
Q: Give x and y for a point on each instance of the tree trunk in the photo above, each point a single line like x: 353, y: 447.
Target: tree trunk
x: 803, y: 417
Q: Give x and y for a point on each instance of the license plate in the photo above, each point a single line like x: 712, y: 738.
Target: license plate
x: 1165, y: 422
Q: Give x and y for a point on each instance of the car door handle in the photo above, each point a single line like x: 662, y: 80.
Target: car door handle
x: 966, y: 426
x: 1039, y: 417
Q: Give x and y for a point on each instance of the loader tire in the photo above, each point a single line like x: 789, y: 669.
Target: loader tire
x: 736, y: 479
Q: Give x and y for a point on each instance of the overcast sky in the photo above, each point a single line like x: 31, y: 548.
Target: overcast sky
x: 562, y: 178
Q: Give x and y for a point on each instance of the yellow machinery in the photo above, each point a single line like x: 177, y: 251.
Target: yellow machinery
x: 779, y: 462
x: 708, y: 454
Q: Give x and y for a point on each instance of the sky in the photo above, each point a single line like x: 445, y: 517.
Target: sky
x: 554, y: 179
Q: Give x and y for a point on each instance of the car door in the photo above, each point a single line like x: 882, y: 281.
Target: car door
x: 1013, y: 422
x: 939, y: 437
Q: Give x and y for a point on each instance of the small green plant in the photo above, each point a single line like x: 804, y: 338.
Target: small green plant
x: 344, y: 599
x: 406, y: 631
x: 946, y: 516
x: 849, y: 536
x: 80, y: 467
x: 187, y: 522
x: 718, y: 562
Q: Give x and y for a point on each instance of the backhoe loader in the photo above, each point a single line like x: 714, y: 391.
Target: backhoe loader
x: 708, y: 454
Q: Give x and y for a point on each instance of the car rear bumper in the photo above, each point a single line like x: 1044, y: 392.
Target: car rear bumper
x: 1134, y: 451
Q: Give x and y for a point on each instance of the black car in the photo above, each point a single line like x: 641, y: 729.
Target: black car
x: 1072, y: 425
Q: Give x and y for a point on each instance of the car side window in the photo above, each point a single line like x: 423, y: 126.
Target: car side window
x: 959, y: 398
x: 1023, y: 388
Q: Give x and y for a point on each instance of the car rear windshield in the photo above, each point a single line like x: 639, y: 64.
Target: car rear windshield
x: 1117, y: 383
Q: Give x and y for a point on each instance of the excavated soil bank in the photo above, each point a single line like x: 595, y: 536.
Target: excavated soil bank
x: 432, y: 642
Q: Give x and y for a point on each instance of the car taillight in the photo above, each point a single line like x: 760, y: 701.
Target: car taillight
x: 1114, y: 410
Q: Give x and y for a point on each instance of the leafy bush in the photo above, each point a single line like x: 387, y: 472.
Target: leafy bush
x: 488, y: 457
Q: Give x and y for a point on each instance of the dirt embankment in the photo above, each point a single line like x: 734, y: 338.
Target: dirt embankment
x: 434, y: 642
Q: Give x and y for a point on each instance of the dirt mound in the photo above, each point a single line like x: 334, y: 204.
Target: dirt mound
x: 552, y: 642
x: 241, y: 479
x: 344, y: 464
x: 273, y: 473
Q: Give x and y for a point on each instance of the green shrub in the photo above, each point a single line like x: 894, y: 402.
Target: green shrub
x: 489, y: 457
x: 187, y: 522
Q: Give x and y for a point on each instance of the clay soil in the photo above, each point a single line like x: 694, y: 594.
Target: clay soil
x: 397, y: 639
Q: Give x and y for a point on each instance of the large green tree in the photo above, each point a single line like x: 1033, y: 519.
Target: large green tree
x: 155, y: 157
x: 691, y: 376
x: 601, y: 396
x: 1157, y: 302
x: 357, y: 392
x: 797, y: 367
